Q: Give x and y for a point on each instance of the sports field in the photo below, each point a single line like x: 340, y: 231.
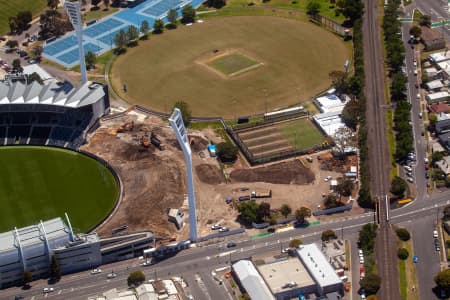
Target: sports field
x: 10, y: 8
x: 38, y: 183
x: 233, y: 64
x: 296, y: 58
x: 298, y: 134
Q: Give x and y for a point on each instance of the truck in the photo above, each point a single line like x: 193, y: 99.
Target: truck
x: 262, y: 194
x: 244, y: 198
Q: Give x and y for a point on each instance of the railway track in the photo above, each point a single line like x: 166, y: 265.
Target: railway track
x: 378, y: 150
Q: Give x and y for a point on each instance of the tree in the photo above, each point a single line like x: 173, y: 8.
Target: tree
x: 106, y: 3
x: 328, y: 235
x: 172, y: 17
x: 313, y: 8
x: 350, y: 114
x: 345, y: 188
x: 415, y: 31
x: 52, y: 4
x: 285, y: 210
x: 446, y: 213
x: 339, y: 81
x: 364, y: 197
x: 398, y: 186
x: 370, y: 283
x: 425, y: 20
x: 302, y: 213
x: 121, y: 39
x: 158, y: 26
x: 263, y: 211
x: 17, y: 66
x: 437, y: 156
x: 53, y: 23
x: 248, y: 211
x: 331, y: 201
x: 442, y: 280
x: 27, y: 278
x: 185, y: 111
x: 403, y: 234
x: 145, y: 28
x: 95, y: 3
x: 35, y: 77
x: 136, y: 278
x: 132, y: 33
x: 344, y: 138
x: 402, y: 253
x: 367, y: 236
x: 12, y: 44
x: 188, y: 14
x: 216, y: 3
x: 295, y: 243
x: 23, y: 18
x: 90, y: 59
x: 227, y: 152
x: 37, y: 50
x: 13, y: 24
x: 55, y: 270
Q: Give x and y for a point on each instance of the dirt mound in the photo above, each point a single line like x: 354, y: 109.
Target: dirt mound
x: 291, y: 172
x: 330, y: 163
x: 209, y: 174
x: 198, y: 143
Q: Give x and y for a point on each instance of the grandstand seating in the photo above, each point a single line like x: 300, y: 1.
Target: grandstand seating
x: 64, y: 128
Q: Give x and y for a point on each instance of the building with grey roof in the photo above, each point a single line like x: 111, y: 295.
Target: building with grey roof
x: 251, y: 281
x: 50, y: 114
x: 320, y: 269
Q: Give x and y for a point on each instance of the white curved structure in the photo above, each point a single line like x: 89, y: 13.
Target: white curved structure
x: 176, y: 121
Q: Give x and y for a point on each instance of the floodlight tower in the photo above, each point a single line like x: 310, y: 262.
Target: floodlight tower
x: 73, y: 10
x: 176, y: 121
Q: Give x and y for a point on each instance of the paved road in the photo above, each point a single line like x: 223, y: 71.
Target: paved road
x: 202, y: 260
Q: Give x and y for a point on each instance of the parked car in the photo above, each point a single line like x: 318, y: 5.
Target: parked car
x: 420, y: 115
x: 415, y: 259
x: 427, y: 174
x: 361, y: 260
x: 410, y: 180
x: 96, y: 271
x: 328, y: 178
x: 48, y: 290
x: 360, y: 253
x: 435, y: 234
x: 111, y: 275
x: 224, y: 229
x: 427, y: 166
x: 231, y: 245
x: 408, y: 168
x: 216, y: 227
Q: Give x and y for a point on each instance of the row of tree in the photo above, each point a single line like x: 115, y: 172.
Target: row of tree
x: 252, y: 212
x: 395, y: 53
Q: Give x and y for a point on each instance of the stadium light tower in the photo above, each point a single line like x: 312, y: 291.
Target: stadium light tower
x: 73, y: 10
x: 176, y: 121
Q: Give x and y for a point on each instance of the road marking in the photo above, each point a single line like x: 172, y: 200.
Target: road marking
x: 59, y: 292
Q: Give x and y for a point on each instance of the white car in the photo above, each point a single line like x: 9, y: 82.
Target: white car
x: 285, y: 250
x: 216, y: 226
x: 328, y: 178
x: 408, y: 168
x: 361, y: 260
x: 360, y: 253
x: 418, y: 96
x: 96, y: 271
x: 224, y: 229
x: 48, y: 290
x: 111, y: 275
x: 415, y: 72
x: 435, y: 234
x: 410, y: 179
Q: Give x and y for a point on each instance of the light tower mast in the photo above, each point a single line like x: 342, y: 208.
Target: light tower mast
x: 73, y: 10
x: 176, y: 121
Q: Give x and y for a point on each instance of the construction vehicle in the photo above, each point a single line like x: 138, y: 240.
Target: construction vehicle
x: 262, y: 194
x: 156, y: 142
x: 128, y: 126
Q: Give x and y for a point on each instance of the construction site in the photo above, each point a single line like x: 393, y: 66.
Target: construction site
x: 145, y: 154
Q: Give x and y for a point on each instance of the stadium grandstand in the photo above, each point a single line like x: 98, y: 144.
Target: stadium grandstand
x: 31, y: 249
x: 54, y: 114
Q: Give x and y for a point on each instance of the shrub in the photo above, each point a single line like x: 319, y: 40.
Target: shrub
x: 370, y: 283
x: 295, y: 243
x: 328, y: 235
x: 402, y: 253
x: 136, y: 278
x: 447, y: 243
x: 403, y: 234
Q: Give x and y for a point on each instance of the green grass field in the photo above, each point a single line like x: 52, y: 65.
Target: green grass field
x: 297, y: 57
x: 10, y: 8
x: 232, y: 64
x: 301, y: 134
x: 38, y: 183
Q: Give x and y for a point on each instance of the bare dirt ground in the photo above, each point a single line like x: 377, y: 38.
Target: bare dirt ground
x: 154, y: 180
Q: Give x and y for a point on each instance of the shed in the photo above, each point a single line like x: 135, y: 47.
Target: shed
x: 437, y: 97
x: 434, y: 85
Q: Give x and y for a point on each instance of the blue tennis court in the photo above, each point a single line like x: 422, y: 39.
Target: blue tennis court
x: 99, y: 37
x: 102, y: 27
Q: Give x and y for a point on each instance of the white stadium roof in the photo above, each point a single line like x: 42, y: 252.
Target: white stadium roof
x: 50, y: 94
